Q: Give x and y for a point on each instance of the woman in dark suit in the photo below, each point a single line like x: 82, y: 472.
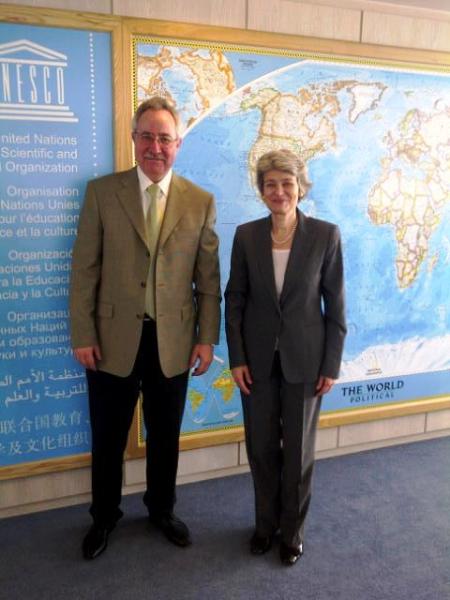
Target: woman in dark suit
x: 285, y: 328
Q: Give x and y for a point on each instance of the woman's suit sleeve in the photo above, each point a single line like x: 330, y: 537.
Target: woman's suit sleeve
x: 332, y: 290
x: 235, y: 302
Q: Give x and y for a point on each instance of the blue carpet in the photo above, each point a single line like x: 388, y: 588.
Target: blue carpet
x: 378, y: 529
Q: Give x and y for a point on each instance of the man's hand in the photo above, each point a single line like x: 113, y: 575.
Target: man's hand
x: 88, y: 356
x: 201, y: 358
x: 324, y: 385
x: 242, y: 378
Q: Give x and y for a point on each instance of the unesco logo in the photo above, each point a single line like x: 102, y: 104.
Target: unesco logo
x: 32, y: 83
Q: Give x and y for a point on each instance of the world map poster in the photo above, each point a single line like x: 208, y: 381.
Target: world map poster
x: 375, y: 138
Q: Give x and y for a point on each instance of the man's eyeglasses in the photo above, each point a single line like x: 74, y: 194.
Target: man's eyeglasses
x: 146, y: 137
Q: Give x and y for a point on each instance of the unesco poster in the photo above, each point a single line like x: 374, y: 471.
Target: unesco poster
x: 55, y: 134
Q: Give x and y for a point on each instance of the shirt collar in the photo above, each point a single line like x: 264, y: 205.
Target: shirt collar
x: 145, y: 181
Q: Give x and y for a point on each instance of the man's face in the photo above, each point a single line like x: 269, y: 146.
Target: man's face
x: 153, y: 154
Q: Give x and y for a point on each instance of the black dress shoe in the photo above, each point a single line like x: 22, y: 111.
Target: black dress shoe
x: 260, y: 544
x: 173, y: 528
x: 290, y: 554
x: 95, y: 541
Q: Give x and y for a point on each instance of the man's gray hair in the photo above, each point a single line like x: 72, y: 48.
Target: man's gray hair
x: 156, y: 103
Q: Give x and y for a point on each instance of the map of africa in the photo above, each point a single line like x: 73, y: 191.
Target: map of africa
x: 376, y: 142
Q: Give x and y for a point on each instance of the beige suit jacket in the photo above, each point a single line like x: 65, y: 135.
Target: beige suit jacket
x: 110, y: 264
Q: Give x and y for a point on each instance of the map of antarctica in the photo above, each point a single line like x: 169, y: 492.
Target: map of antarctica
x: 376, y: 140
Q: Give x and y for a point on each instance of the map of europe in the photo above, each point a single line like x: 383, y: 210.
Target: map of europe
x: 376, y: 140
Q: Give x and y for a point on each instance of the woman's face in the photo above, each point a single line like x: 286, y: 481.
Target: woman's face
x: 280, y: 192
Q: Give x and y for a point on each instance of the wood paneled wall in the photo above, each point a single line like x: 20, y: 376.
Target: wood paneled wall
x: 390, y: 23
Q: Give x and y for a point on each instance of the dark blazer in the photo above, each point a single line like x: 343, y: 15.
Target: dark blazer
x: 110, y: 265
x: 308, y: 320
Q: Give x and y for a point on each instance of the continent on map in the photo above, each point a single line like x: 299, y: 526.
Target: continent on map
x: 304, y: 122
x: 213, y: 396
x: 414, y: 187
x: 150, y: 70
x: 365, y: 97
x: 225, y: 385
x: 195, y: 398
x: 213, y: 74
x: 209, y: 71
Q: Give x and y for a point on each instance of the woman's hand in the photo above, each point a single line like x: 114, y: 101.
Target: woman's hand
x: 242, y: 378
x: 324, y: 385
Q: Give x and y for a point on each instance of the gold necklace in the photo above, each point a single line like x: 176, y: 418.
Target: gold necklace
x: 286, y: 239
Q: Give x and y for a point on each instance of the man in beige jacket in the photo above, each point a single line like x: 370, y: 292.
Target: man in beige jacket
x: 144, y: 306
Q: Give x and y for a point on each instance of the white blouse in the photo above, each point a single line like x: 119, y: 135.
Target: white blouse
x: 280, y: 260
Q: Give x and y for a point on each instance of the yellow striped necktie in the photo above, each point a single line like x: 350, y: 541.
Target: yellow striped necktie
x: 152, y: 223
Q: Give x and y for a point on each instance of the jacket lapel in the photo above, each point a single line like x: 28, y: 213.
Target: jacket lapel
x: 298, y: 257
x: 129, y: 196
x: 263, y: 249
x: 175, y: 208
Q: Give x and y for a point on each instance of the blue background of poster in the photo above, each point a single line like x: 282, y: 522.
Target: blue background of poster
x: 44, y: 169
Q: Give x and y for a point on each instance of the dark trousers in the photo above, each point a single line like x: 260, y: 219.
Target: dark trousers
x: 280, y: 421
x: 112, y: 401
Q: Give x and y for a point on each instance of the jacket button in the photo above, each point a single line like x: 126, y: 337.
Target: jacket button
x: 143, y: 284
